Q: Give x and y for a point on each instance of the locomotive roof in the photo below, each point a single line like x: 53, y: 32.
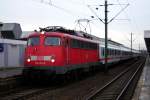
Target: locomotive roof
x: 60, y: 34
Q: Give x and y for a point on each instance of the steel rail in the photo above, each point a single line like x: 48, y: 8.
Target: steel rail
x: 109, y: 83
x: 27, y: 94
x: 130, y: 80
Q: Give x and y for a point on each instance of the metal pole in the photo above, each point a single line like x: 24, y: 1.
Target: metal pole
x: 106, y: 22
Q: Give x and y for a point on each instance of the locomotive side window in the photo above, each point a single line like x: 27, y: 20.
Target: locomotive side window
x: 52, y: 41
x: 33, y: 41
x: 83, y: 44
x: 74, y: 43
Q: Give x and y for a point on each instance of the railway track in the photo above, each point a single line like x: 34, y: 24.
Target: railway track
x: 117, y: 87
x: 8, y: 84
x: 27, y: 93
x: 9, y: 80
x: 69, y: 91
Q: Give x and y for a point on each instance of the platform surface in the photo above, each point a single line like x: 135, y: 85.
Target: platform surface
x: 142, y: 91
x: 4, y: 73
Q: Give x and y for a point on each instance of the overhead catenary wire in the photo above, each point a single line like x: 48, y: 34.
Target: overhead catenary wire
x: 118, y: 13
x: 69, y: 11
x: 133, y: 20
x: 50, y: 3
x: 127, y: 17
x: 95, y: 13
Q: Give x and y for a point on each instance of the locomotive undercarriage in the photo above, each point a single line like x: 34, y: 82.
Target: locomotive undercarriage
x: 42, y: 71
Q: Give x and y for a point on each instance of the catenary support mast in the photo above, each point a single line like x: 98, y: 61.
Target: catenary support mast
x: 106, y: 33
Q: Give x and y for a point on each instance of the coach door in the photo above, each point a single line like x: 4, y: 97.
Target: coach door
x: 67, y: 51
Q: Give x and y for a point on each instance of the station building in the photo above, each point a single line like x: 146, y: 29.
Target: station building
x: 11, y: 47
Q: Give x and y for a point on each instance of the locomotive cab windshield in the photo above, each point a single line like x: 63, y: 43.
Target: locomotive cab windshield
x: 52, y: 41
x: 33, y: 41
x: 48, y: 41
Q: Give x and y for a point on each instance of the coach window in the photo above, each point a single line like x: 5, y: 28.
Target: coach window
x: 109, y: 52
x: 32, y: 41
x: 52, y: 41
x: 115, y: 52
x: 112, y: 52
x: 103, y: 52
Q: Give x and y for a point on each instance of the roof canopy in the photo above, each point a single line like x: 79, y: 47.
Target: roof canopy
x: 147, y: 39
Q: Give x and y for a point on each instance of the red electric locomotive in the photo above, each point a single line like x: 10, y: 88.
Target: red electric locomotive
x: 56, y: 50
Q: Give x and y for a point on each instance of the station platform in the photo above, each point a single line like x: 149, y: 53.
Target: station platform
x: 10, y: 72
x: 142, y: 91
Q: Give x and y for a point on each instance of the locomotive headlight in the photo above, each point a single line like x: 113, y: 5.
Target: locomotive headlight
x: 42, y: 32
x: 28, y: 59
x: 52, y: 60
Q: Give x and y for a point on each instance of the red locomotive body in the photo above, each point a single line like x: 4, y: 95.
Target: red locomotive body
x: 57, y: 52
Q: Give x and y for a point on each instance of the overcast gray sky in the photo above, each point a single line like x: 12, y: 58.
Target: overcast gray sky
x: 32, y: 14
